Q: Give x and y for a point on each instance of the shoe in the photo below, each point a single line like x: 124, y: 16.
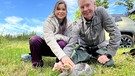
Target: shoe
x: 26, y: 57
x: 41, y: 63
x: 38, y: 64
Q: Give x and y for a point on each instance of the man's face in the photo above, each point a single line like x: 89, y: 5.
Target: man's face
x: 87, y: 8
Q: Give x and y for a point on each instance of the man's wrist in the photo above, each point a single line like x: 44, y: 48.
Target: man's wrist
x: 108, y: 56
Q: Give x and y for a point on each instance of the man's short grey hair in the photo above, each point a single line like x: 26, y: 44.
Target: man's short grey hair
x: 93, y: 1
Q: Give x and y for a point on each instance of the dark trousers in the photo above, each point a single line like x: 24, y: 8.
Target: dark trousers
x: 81, y: 55
x: 39, y: 48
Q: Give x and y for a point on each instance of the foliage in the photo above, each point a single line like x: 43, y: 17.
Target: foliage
x: 23, y: 36
x: 103, y: 3
x: 129, y: 6
x: 127, y: 3
x: 12, y: 65
x: 132, y: 16
x: 1, y: 38
x: 77, y: 14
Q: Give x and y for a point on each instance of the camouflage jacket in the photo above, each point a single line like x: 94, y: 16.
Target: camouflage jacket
x: 93, y: 33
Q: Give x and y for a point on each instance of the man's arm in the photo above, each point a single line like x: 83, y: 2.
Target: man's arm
x: 68, y: 49
x: 114, y: 33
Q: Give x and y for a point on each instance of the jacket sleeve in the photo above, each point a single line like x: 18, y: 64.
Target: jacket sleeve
x: 68, y: 31
x: 68, y: 49
x: 114, y: 33
x: 48, y: 35
x: 61, y: 37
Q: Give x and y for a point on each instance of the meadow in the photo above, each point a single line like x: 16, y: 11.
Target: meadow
x: 12, y: 65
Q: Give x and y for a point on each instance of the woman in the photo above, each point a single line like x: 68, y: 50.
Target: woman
x: 56, y: 31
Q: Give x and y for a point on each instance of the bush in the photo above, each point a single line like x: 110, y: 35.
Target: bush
x: 132, y: 16
x: 23, y: 36
x: 1, y: 38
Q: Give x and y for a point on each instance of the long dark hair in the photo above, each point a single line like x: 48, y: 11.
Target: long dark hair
x: 63, y: 24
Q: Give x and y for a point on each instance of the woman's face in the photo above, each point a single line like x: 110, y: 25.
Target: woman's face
x: 60, y: 12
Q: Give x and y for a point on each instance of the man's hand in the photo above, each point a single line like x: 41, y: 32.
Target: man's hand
x: 103, y: 59
x: 67, y: 61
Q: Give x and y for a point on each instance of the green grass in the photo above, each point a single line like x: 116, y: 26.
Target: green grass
x: 12, y: 65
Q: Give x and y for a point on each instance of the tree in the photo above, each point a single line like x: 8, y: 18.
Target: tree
x: 77, y: 14
x: 103, y: 3
x: 127, y: 3
x: 131, y: 14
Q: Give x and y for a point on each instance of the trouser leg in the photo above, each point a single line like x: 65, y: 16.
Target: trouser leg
x: 82, y: 56
x: 37, y: 48
x: 110, y: 63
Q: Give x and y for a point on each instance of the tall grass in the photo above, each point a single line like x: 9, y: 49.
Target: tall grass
x: 23, y: 36
x: 12, y: 65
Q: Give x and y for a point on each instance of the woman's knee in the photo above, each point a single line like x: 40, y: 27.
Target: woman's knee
x: 34, y: 39
x: 62, y: 43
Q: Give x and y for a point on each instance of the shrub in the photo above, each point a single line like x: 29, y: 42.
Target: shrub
x: 23, y: 36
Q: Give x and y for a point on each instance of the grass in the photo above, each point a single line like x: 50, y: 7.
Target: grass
x: 12, y: 65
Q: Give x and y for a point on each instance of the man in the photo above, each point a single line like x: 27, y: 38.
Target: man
x: 90, y: 35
